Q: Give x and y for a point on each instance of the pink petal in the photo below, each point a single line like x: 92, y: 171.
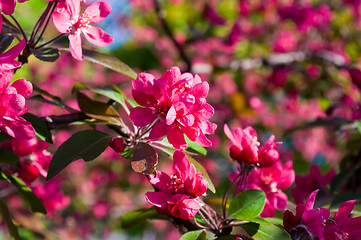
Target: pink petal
x: 172, y: 75
x: 97, y: 12
x: 144, y: 99
x: 176, y: 138
x: 158, y: 131
x: 13, y: 52
x: 7, y: 6
x: 75, y: 46
x: 158, y: 199
x: 203, y: 140
x: 171, y: 115
x: 23, y: 87
x: 17, y: 127
x: 73, y: 8
x: 229, y: 134
x: 142, y: 116
x: 144, y: 83
x: 181, y: 165
x: 344, y: 211
x: 278, y: 200
x: 62, y: 22
x: 161, y: 181
x: 201, y: 90
x: 97, y: 36
x: 311, y: 200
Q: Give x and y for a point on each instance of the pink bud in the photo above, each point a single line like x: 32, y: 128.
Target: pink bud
x: 28, y: 172
x: 268, y: 158
x: 235, y: 152
x: 117, y: 144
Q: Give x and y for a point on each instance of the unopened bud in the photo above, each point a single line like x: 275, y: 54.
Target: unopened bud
x: 117, y: 144
x: 269, y: 158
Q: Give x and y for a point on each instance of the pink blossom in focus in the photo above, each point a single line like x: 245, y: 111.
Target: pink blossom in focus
x: 177, y: 192
x: 178, y: 102
x: 246, y: 149
x: 307, y: 184
x: 71, y: 21
x: 12, y: 106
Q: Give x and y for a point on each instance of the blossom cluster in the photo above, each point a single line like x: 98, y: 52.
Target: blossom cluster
x: 177, y: 194
x: 12, y: 96
x: 309, y: 223
x: 176, y: 103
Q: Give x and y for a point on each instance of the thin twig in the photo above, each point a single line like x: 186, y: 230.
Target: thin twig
x: 19, y: 27
x: 170, y: 34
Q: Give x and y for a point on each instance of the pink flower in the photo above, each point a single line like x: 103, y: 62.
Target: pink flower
x: 315, y: 223
x: 286, y: 41
x: 7, y: 61
x: 177, y: 101
x: 306, y: 184
x: 34, y: 158
x: 343, y: 227
x: 245, y: 147
x: 272, y: 181
x: 177, y: 193
x: 71, y: 21
x: 312, y: 219
x: 12, y: 105
x: 51, y: 196
x: 6, y: 7
x: 213, y: 16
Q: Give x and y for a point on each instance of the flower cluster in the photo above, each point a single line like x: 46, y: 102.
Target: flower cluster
x: 309, y: 223
x: 246, y: 149
x: 12, y: 97
x: 68, y: 19
x: 176, y: 103
x: 34, y: 158
x: 178, y: 192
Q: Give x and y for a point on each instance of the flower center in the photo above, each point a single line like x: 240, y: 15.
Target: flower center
x: 82, y: 22
x: 176, y: 185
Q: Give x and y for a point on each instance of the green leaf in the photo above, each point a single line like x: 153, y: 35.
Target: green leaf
x: 247, y: 204
x: 195, y: 235
x: 46, y: 54
x: 41, y: 128
x: 98, y: 110
x: 137, y: 217
x: 88, y: 145
x: 195, y: 147
x: 358, y: 125
x: 201, y: 169
x: 35, y: 203
x: 111, y: 92
x: 7, y: 156
x: 5, y: 214
x: 5, y: 41
x: 107, y: 61
x: 260, y: 229
x: 110, y: 62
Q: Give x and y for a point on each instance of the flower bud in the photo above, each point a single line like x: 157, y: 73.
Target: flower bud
x: 117, y: 144
x: 268, y: 158
x: 28, y: 172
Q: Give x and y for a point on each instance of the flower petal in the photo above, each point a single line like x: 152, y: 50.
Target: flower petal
x: 142, y: 116
x: 97, y: 12
x: 97, y: 36
x: 75, y: 46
